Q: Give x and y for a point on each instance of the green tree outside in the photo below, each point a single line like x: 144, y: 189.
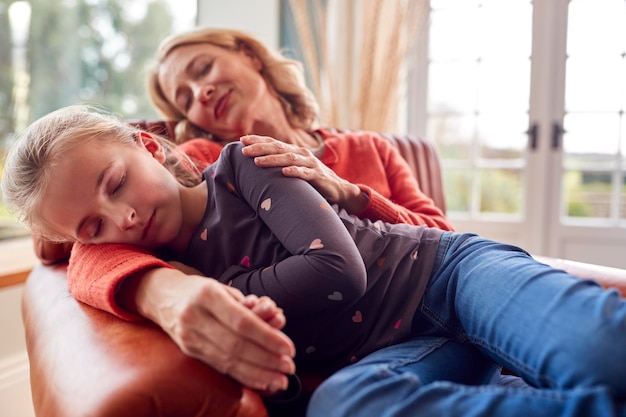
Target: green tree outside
x: 81, y: 51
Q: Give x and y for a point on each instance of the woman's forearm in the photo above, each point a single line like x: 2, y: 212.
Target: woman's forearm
x: 209, y: 321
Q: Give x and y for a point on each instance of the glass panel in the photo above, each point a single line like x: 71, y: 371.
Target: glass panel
x: 452, y: 87
x: 596, y: 28
x: 502, y: 135
x: 453, y: 134
x: 503, y: 29
x: 591, y: 137
x: 458, y: 189
x: 501, y: 191
x: 595, y: 102
x: 453, y: 33
x: 57, y: 53
x: 596, y: 46
x: 453, y: 4
x: 587, y: 194
x: 478, y: 100
x: 504, y: 85
x: 594, y: 84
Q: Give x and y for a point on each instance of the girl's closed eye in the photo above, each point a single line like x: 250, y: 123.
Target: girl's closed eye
x: 120, y: 183
x: 97, y: 229
x: 90, y: 230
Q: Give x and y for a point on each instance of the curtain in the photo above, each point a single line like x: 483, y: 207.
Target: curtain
x: 355, y: 53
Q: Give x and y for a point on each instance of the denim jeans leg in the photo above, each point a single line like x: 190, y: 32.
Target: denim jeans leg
x: 436, y: 377
x: 388, y: 381
x: 553, y: 329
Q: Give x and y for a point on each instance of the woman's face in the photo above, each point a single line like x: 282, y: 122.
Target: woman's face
x: 219, y: 90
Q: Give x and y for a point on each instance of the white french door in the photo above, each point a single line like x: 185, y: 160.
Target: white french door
x: 526, y: 101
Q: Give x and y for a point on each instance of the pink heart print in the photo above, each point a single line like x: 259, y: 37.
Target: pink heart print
x: 316, y: 244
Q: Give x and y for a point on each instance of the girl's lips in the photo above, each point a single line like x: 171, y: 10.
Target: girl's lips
x: 221, y: 104
x: 146, y: 230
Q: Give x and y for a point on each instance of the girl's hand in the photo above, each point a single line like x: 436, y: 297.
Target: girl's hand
x: 266, y: 309
x: 210, y: 321
x: 301, y: 163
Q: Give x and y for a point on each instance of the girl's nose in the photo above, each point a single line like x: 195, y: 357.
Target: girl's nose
x: 125, y: 219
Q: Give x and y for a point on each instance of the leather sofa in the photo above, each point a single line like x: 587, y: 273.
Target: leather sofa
x: 85, y: 362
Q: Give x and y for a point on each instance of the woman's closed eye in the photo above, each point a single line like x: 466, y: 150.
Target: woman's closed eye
x: 203, y: 68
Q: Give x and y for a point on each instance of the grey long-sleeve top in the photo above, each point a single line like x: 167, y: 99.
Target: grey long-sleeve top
x: 347, y: 286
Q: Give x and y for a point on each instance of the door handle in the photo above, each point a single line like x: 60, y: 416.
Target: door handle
x: 557, y: 135
x: 533, y: 134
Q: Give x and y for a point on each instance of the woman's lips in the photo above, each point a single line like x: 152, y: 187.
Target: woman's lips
x: 221, y: 104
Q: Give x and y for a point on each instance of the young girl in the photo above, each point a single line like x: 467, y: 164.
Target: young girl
x: 353, y: 291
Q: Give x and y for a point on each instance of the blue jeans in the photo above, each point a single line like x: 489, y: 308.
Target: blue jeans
x: 489, y: 305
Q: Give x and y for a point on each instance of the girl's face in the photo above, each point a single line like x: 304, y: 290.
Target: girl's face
x: 219, y: 90
x: 115, y: 193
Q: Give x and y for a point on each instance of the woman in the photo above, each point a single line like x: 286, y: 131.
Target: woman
x: 229, y: 84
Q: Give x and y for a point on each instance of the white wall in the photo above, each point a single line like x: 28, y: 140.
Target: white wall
x: 258, y: 17
x: 15, y: 399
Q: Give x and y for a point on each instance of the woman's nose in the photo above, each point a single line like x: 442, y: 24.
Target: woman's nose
x: 204, y: 92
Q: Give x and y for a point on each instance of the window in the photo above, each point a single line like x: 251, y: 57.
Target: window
x: 478, y: 94
x: 526, y: 101
x: 79, y: 51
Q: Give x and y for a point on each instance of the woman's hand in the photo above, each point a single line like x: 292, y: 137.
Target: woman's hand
x: 214, y: 323
x: 301, y: 163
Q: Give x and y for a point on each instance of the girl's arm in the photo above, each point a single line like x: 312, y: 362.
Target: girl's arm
x: 325, y: 262
x: 264, y: 307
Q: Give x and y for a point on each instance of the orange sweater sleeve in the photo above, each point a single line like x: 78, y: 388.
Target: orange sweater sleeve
x: 377, y: 167
x: 407, y: 203
x: 95, y: 272
x: 202, y: 152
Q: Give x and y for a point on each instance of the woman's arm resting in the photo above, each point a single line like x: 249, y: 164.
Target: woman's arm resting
x: 208, y: 321
x: 300, y: 162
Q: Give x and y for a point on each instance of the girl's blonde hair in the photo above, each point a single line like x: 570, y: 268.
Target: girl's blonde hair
x: 43, y: 145
x: 283, y: 76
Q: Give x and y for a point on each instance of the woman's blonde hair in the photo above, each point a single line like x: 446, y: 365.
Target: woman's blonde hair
x: 284, y: 77
x: 42, y: 146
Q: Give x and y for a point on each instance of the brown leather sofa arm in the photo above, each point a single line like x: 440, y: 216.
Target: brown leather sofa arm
x: 85, y: 362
